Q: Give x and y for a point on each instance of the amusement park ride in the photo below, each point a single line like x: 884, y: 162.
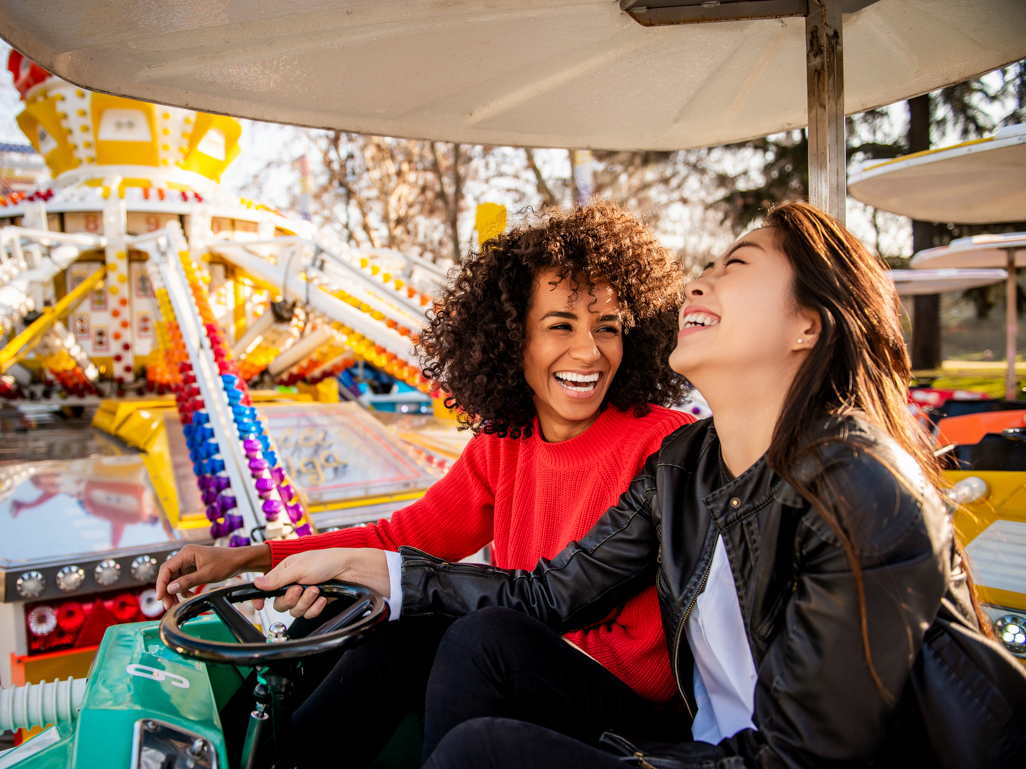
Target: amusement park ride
x: 135, y: 283
x: 135, y: 260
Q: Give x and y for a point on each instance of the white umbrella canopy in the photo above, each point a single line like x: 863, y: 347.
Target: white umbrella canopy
x: 916, y: 282
x: 558, y: 73
x: 977, y: 182
x: 1008, y: 251
x: 977, y: 251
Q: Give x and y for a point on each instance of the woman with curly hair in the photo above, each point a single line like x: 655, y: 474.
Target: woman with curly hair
x: 552, y: 345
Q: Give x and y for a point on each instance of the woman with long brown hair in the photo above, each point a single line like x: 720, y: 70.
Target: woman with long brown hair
x: 816, y: 609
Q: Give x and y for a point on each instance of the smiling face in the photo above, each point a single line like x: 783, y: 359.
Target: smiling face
x: 739, y: 316
x: 572, y: 350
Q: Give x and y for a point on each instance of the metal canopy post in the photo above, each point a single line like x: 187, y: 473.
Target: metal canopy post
x: 824, y: 59
x: 824, y: 56
x: 1011, y: 326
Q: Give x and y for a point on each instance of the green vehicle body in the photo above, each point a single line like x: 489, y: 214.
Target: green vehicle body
x: 135, y: 676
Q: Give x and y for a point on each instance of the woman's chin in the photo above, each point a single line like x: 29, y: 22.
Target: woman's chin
x: 682, y: 363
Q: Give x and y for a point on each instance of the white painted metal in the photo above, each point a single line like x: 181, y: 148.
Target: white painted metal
x: 915, y: 282
x: 999, y: 556
x: 559, y: 73
x: 300, y: 349
x: 1008, y: 251
x: 117, y: 286
x: 296, y: 289
x: 977, y: 182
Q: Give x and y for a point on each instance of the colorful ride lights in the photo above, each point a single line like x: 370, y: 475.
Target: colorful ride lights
x: 70, y: 578
x: 79, y: 622
x: 144, y: 568
x: 107, y: 572
x: 30, y: 584
x: 211, y: 476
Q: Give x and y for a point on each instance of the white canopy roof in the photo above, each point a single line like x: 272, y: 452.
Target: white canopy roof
x: 914, y: 282
x: 977, y: 251
x: 978, y: 182
x: 560, y: 73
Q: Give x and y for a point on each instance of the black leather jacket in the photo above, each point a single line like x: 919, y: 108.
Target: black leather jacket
x: 816, y: 702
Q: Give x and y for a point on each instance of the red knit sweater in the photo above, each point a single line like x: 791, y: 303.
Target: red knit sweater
x: 531, y: 498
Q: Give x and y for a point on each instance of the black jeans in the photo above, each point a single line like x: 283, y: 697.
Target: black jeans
x: 347, y: 705
x: 500, y: 743
x: 498, y: 663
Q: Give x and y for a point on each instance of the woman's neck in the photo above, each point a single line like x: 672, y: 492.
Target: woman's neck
x: 553, y: 429
x: 745, y: 412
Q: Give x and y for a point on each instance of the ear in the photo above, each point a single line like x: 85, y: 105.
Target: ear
x: 810, y: 327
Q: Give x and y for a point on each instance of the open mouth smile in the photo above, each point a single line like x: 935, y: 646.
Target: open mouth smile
x: 699, y: 320
x: 577, y: 383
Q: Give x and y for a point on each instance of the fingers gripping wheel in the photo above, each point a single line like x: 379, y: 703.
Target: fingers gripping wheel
x: 367, y: 608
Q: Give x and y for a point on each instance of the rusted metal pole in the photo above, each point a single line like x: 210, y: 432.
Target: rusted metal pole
x: 1011, y: 326
x: 825, y: 62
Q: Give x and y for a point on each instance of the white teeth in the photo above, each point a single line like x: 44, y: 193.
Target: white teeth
x: 585, y: 381
x: 569, y: 376
x: 699, y: 319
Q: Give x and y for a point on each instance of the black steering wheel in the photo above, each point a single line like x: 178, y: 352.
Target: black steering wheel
x: 367, y: 609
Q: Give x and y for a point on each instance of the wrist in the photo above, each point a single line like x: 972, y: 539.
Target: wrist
x: 371, y: 569
x: 254, y: 558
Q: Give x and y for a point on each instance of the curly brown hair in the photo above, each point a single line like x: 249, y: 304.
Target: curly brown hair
x: 473, y: 347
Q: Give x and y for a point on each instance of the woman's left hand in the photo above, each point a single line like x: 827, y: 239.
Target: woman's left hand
x: 363, y: 566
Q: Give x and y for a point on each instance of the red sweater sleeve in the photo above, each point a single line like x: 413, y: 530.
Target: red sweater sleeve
x: 452, y: 520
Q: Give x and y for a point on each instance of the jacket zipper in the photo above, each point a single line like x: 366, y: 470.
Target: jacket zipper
x: 680, y: 632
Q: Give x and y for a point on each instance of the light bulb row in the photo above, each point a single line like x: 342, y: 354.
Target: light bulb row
x: 278, y: 495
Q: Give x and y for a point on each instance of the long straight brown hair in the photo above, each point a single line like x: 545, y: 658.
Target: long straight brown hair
x: 859, y: 365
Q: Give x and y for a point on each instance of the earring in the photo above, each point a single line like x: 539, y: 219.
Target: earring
x: 799, y: 341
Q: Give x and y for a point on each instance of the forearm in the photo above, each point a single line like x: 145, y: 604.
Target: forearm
x: 577, y: 588
x: 254, y: 558
x: 453, y: 520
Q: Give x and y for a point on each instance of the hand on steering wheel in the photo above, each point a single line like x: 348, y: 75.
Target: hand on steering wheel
x: 368, y: 609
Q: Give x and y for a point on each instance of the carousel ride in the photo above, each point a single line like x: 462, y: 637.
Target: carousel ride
x: 211, y: 336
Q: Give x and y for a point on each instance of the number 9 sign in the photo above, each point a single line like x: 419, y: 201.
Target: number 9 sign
x: 155, y: 674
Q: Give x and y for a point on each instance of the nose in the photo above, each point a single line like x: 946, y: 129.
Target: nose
x: 695, y: 288
x: 584, y: 348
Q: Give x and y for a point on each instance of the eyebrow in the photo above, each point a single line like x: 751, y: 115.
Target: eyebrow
x: 573, y: 316
x: 732, y: 249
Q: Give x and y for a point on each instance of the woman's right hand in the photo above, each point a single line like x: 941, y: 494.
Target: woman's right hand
x: 363, y: 566
x: 196, y: 565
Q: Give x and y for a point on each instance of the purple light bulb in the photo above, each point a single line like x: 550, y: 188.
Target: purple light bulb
x: 272, y: 508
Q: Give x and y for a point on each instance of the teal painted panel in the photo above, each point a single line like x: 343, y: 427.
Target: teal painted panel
x: 50, y: 749
x: 134, y: 676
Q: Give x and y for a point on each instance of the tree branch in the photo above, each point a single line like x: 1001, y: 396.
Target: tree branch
x: 543, y: 188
